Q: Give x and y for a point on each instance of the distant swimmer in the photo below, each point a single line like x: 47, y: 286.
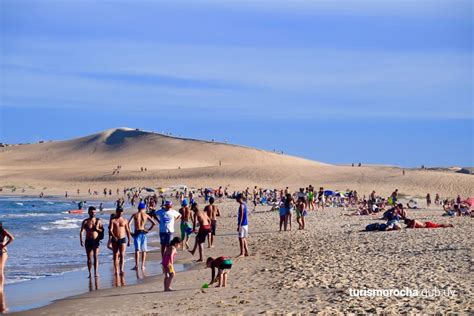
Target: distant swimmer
x: 212, y: 212
x: 139, y: 219
x: 119, y: 232
x: 4, y: 234
x: 94, y: 234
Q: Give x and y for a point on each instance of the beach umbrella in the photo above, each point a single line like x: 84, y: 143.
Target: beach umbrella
x: 328, y: 192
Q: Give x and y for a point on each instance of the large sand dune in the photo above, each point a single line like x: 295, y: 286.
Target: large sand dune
x: 88, y: 162
x: 134, y: 148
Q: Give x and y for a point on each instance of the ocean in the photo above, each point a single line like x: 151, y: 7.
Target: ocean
x: 46, y: 262
x: 46, y: 237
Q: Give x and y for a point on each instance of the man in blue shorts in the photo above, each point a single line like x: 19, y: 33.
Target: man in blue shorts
x: 139, y: 219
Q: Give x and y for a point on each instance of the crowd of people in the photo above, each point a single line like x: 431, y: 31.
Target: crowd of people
x: 194, y: 219
x: 157, y: 210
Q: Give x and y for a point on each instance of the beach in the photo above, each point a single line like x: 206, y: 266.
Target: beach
x: 308, y: 271
x: 333, y: 266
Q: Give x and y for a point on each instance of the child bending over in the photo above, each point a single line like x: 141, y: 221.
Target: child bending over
x: 223, y: 265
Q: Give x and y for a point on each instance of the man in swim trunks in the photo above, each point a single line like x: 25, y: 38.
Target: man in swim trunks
x: 166, y: 217
x: 185, y: 226
x: 119, y: 232
x: 201, y: 218
x: 92, y: 226
x: 212, y: 212
x: 139, y: 220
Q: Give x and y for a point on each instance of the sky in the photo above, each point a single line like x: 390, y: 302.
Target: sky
x: 381, y: 82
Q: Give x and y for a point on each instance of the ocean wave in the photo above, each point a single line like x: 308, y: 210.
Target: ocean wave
x: 19, y: 203
x: 24, y: 215
x: 68, y: 223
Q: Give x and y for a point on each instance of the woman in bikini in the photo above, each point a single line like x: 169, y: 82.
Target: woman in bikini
x: 4, y: 234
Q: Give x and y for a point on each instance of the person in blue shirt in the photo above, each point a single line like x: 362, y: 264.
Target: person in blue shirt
x: 242, y: 226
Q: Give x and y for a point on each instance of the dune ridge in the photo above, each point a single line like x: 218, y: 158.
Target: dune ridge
x: 89, y: 162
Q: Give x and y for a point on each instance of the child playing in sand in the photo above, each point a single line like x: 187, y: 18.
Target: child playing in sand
x: 223, y: 265
x: 167, y: 263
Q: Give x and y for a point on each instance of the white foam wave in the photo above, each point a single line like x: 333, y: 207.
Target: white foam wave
x: 23, y: 215
x: 19, y: 203
x: 68, y: 223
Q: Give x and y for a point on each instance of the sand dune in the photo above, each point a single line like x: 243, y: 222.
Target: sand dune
x: 135, y: 148
x: 88, y: 162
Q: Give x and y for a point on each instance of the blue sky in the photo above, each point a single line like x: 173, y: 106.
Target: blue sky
x: 385, y: 82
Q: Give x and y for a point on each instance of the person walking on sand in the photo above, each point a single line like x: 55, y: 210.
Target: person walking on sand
x: 242, y: 226
x: 139, y: 219
x: 185, y: 226
x: 166, y: 218
x: 212, y: 212
x: 201, y: 218
x: 167, y: 263
x: 94, y: 230
x: 120, y: 233
x: 4, y: 234
x: 428, y: 200
x: 321, y: 199
x: 311, y: 198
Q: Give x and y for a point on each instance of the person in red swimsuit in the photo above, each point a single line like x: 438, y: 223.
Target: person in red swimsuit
x: 413, y: 223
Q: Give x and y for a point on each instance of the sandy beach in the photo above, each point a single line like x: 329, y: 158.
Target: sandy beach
x: 315, y: 270
x: 309, y: 271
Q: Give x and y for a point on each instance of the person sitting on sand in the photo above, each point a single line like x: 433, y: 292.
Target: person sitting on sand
x: 201, y: 218
x: 413, y: 223
x: 167, y: 263
x: 393, y: 219
x: 139, y: 219
x: 92, y: 226
x: 119, y: 232
x: 223, y: 265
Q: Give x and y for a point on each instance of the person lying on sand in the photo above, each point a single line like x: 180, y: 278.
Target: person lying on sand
x: 413, y: 223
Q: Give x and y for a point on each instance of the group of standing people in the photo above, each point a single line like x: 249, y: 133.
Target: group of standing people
x: 202, y: 222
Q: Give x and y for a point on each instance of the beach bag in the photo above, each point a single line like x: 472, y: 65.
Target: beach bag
x: 372, y: 227
x: 100, y: 236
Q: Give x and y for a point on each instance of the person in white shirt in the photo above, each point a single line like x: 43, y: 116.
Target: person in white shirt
x: 166, y: 218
